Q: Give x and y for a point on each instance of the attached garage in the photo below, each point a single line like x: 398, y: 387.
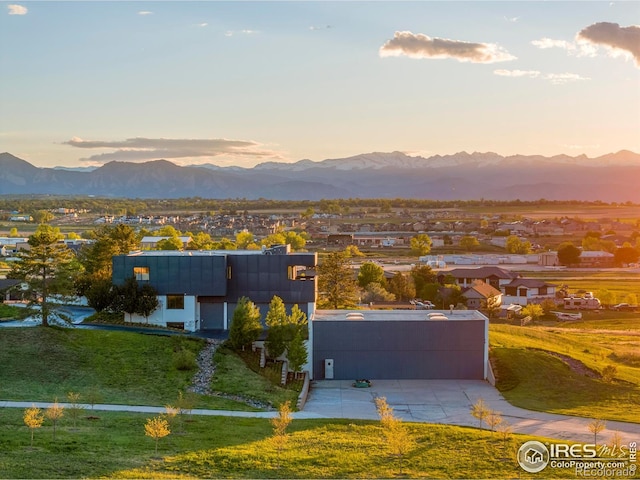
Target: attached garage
x: 399, y: 344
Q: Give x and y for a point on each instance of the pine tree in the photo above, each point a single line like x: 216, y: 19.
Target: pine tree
x: 337, y: 286
x: 245, y: 324
x: 49, y: 268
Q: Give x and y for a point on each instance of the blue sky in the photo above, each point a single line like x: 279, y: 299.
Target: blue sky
x: 240, y: 83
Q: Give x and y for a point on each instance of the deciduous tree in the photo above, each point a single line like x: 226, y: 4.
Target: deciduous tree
x: 54, y: 413
x: 33, y: 419
x: 397, y: 438
x: 596, y: 426
x: 374, y: 292
x: 480, y: 410
x: 568, y: 254
x: 280, y: 423
x: 157, y: 428
x: 420, y: 244
x: 469, y: 242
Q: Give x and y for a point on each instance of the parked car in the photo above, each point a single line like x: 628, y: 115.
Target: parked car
x: 624, y: 307
x: 426, y: 305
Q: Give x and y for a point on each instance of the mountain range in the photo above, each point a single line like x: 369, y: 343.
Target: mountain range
x: 614, y: 177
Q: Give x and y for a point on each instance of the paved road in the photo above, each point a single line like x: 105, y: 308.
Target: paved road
x: 430, y: 401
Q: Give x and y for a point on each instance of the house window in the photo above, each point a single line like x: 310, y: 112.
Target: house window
x: 175, y: 302
x: 542, y: 291
x: 300, y: 272
x: 522, y: 292
x: 141, y: 273
x: 513, y: 291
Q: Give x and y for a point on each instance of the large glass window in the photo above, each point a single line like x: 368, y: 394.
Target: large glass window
x: 175, y: 302
x: 141, y: 273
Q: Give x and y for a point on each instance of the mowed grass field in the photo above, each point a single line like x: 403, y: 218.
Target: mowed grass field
x: 115, y: 446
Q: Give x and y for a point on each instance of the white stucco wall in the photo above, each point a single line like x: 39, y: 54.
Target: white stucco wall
x: 162, y: 315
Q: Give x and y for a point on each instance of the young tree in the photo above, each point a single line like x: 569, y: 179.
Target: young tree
x: 396, y: 435
x: 93, y: 396
x: 48, y: 267
x: 494, y: 420
x: 420, y: 244
x: 54, y: 413
x: 156, y: 428
x: 596, y: 426
x: 480, y: 410
x: 33, y: 419
x: 245, y: 324
x: 371, y: 273
x: 277, y: 335
x: 280, y: 424
x: 336, y: 284
x: 75, y: 407
x: 297, y: 353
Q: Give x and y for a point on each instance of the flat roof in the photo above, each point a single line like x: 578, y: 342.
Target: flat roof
x: 396, y: 315
x: 204, y: 253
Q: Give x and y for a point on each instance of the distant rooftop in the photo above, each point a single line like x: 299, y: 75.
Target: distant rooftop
x: 396, y: 315
x: 275, y: 250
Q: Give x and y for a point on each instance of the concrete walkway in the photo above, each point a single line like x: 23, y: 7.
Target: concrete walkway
x: 430, y: 401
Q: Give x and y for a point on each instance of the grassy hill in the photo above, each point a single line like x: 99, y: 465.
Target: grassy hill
x: 559, y: 370
x: 42, y: 364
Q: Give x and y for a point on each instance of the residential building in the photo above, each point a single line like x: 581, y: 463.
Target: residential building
x: 479, y: 293
x: 199, y: 290
x: 523, y: 291
x: 465, y: 277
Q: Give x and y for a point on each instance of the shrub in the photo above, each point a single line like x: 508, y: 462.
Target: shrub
x: 184, y: 360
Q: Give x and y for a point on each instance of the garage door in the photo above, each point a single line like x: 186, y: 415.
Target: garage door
x: 211, y: 316
x: 400, y: 349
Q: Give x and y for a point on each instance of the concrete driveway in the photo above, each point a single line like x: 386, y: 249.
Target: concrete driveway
x: 448, y: 402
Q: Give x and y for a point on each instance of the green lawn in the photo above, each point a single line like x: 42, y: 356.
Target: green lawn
x: 114, y: 446
x: 232, y: 376
x: 529, y: 377
x: 44, y: 363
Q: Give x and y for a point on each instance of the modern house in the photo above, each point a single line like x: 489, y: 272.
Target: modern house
x: 199, y: 290
x: 523, y: 291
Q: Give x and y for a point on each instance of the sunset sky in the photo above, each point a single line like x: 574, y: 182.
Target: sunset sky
x: 85, y: 83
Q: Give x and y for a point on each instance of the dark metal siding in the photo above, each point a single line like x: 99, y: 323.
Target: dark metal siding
x: 197, y: 275
x: 260, y: 277
x: 400, y: 349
